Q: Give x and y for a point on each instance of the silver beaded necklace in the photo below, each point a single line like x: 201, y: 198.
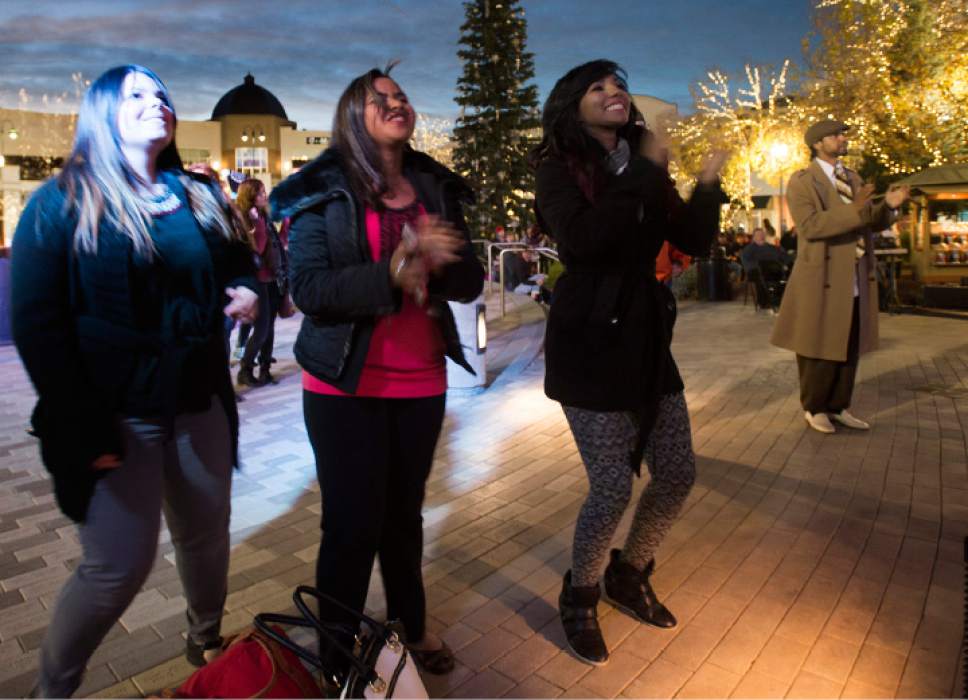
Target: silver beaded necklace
x: 164, y: 203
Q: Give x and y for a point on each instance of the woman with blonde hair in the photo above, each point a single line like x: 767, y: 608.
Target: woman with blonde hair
x: 123, y: 266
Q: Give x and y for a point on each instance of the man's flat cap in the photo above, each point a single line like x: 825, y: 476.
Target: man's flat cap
x: 825, y: 127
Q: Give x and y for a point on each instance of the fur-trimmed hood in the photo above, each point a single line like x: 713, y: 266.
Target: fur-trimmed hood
x: 317, y: 180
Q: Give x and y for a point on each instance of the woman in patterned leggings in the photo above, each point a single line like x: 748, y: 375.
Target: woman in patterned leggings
x: 605, y: 196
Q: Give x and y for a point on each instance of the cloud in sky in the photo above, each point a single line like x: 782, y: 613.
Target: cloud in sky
x: 306, y: 51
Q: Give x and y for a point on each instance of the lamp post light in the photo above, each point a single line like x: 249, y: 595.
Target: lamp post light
x: 780, y: 151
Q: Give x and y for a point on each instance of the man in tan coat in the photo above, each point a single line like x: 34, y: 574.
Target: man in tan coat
x: 828, y: 316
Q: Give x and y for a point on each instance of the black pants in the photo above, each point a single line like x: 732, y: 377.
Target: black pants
x: 264, y: 331
x: 373, y: 457
x: 826, y: 386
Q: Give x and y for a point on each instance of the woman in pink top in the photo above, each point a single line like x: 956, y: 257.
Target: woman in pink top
x: 377, y: 246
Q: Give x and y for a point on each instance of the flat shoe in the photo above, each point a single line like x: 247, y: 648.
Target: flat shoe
x: 436, y: 661
x: 850, y: 421
x: 819, y: 422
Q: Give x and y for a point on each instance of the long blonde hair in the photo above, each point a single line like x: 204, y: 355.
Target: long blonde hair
x: 100, y: 182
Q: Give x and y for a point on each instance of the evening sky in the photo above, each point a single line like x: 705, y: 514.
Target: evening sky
x: 305, y: 51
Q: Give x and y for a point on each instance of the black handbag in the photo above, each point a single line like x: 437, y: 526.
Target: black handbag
x: 378, y: 664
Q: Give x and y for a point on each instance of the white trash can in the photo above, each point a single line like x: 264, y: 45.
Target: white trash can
x: 472, y: 330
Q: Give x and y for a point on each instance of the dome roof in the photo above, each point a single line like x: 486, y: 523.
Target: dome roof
x: 248, y: 98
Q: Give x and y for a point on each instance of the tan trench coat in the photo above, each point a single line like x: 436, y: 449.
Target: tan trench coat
x: 815, y: 314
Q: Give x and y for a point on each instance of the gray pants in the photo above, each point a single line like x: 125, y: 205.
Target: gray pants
x: 606, y: 441
x: 189, y: 475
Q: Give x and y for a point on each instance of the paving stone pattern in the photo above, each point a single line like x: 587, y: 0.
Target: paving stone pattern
x: 803, y: 566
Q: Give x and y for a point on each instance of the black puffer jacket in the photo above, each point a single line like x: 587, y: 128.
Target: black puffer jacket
x: 335, y: 282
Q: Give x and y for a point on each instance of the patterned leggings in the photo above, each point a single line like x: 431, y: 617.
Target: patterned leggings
x: 606, y: 441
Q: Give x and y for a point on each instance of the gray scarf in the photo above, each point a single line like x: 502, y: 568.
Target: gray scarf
x: 619, y: 159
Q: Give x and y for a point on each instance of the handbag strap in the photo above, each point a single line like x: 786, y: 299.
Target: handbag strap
x: 298, y: 598
x: 262, y: 620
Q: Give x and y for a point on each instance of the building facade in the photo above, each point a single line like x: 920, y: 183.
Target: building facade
x: 248, y: 132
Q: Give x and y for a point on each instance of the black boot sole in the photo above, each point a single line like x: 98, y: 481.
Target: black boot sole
x: 632, y: 613
x: 583, y: 659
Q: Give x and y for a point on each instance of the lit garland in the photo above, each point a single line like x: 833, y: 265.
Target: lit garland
x: 751, y: 123
x: 897, y: 72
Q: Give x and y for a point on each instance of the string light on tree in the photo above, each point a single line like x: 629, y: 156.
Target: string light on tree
x: 899, y: 70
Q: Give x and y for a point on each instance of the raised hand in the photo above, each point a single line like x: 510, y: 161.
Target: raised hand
x: 244, y: 306
x: 897, y: 195
x: 408, y: 271
x: 437, y: 242
x: 713, y: 165
x: 655, y: 147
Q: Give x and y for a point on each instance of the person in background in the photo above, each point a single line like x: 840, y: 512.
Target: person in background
x: 206, y: 170
x: 788, y: 241
x: 759, y: 250
x: 269, y: 246
x: 770, y: 232
x: 373, y: 342
x: 670, y: 263
x: 607, y: 346
x: 123, y: 267
x: 829, y: 314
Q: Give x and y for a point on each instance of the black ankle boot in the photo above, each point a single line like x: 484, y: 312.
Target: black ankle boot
x: 245, y: 377
x: 578, y: 606
x: 630, y: 591
x: 265, y: 376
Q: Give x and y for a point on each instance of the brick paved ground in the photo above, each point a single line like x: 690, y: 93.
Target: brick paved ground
x: 803, y: 566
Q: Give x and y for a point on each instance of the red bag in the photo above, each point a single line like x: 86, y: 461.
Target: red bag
x: 251, y: 666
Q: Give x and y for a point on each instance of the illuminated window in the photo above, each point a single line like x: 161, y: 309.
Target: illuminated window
x: 252, y: 160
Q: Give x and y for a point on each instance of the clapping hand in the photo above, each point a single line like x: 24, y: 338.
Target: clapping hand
x: 713, y: 165
x: 437, y: 242
x: 244, y: 306
x: 897, y: 195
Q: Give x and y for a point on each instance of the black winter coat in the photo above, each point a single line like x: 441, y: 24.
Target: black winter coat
x: 76, y: 327
x: 610, y: 324
x: 334, y: 280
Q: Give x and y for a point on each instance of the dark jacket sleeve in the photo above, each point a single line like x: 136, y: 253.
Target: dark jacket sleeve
x: 462, y: 280
x: 72, y: 420
x: 335, y: 294
x: 592, y: 230
x: 238, y: 267
x: 693, y: 225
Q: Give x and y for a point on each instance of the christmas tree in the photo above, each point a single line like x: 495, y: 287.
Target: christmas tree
x: 498, y: 117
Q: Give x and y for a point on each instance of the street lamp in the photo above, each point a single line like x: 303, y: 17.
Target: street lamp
x: 780, y: 151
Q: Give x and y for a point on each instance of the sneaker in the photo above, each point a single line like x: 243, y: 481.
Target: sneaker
x: 630, y: 591
x: 578, y: 608
x: 819, y: 422
x: 200, y: 654
x: 850, y: 421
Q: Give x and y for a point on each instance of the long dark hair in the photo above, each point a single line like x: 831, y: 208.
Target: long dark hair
x: 565, y: 138
x: 358, y: 153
